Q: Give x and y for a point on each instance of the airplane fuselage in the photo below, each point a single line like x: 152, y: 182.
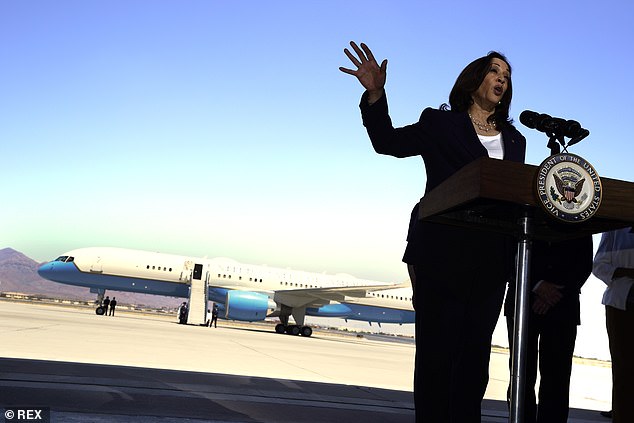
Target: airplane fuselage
x: 273, y: 289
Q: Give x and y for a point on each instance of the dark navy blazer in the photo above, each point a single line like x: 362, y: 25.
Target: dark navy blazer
x: 447, y: 141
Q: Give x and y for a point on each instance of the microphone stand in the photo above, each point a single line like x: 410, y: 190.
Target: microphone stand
x: 522, y: 303
x: 554, y: 140
x: 557, y: 138
x: 556, y: 130
x: 522, y: 308
x: 553, y: 145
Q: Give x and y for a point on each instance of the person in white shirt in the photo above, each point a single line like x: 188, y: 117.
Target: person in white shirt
x: 614, y: 265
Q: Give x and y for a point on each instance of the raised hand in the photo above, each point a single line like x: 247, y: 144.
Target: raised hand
x: 369, y: 73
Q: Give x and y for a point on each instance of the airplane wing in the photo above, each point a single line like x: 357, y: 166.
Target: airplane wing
x: 316, y: 297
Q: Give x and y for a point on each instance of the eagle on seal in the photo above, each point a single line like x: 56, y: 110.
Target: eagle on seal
x: 569, y: 190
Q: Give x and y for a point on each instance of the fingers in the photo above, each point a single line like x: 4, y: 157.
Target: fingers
x: 555, y: 295
x: 540, y: 307
x: 549, y: 292
x: 368, y: 72
x: 364, y: 53
x: 384, y: 66
x: 359, y: 52
x: 551, y: 300
x: 351, y: 56
x: 368, y: 53
x: 348, y: 71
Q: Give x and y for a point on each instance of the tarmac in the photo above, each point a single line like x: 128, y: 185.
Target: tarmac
x: 75, y: 366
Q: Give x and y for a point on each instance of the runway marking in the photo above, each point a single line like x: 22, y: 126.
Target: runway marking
x: 29, y: 328
x: 284, y: 361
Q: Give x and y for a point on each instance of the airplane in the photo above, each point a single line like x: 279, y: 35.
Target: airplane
x: 242, y: 292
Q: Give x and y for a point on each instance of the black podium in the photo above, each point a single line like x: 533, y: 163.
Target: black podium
x: 500, y: 196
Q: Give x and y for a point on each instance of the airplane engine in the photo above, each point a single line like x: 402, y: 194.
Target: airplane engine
x: 330, y: 310
x: 248, y: 306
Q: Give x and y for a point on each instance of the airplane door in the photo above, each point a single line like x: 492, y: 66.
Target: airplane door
x: 198, y: 271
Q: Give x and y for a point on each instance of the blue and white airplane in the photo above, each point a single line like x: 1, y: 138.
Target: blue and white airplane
x: 242, y: 291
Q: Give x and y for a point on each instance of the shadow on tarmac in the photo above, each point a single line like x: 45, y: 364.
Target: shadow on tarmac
x: 100, y: 393
x: 80, y: 393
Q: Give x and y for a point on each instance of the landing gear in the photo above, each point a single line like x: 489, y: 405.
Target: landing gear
x: 100, y: 310
x: 298, y: 314
x: 294, y: 330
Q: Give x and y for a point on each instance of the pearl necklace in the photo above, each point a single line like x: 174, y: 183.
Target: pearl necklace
x: 481, y: 126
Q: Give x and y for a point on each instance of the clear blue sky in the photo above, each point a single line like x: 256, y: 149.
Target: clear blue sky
x: 224, y: 128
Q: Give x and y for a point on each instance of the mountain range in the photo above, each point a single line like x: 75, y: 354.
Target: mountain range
x: 18, y: 274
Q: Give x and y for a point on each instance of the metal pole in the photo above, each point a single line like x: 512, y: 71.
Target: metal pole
x: 524, y: 245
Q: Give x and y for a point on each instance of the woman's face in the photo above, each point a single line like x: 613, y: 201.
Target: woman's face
x: 494, y: 85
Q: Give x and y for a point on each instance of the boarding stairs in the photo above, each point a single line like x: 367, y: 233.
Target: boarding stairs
x: 198, y: 296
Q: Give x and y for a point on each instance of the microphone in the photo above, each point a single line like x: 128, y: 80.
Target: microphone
x: 582, y: 134
x: 532, y: 119
x: 557, y: 126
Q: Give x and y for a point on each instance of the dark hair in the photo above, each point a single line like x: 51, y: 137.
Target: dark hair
x: 469, y: 81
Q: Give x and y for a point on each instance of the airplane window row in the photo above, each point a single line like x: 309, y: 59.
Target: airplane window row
x: 159, y: 268
x: 65, y: 259
x: 239, y: 277
x: 301, y: 285
x: 389, y: 296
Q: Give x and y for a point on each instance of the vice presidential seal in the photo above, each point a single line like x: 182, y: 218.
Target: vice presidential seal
x: 568, y: 187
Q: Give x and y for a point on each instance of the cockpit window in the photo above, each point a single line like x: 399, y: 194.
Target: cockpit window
x: 65, y: 259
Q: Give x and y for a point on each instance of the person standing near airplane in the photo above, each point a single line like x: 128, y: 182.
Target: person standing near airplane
x: 460, y: 274
x: 214, y: 316
x: 614, y: 265
x: 558, y: 271
x: 106, y: 303
x: 182, y: 313
x: 113, y: 304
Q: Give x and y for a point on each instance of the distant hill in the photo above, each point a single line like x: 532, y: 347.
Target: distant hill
x: 18, y: 273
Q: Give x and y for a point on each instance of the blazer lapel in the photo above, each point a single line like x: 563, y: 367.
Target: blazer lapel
x: 512, y: 147
x: 465, y: 132
x: 467, y: 135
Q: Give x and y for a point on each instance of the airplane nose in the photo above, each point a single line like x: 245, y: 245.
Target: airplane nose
x: 45, y: 269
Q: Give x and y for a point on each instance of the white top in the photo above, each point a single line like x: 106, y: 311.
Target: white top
x: 493, y: 144
x: 616, y: 249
